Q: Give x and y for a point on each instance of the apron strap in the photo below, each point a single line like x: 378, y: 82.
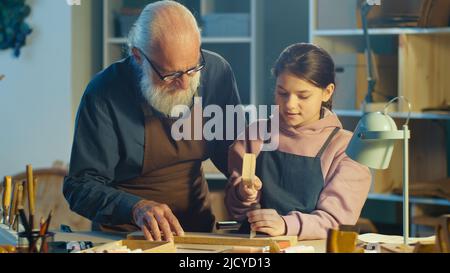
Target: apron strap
x: 268, y: 131
x: 325, y: 145
x: 147, y: 110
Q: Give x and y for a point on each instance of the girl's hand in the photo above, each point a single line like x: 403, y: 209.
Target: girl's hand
x: 267, y: 221
x: 250, y: 193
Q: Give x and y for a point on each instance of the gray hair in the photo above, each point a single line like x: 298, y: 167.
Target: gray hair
x: 150, y: 28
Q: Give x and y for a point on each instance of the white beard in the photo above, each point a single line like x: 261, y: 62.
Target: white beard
x: 164, y: 99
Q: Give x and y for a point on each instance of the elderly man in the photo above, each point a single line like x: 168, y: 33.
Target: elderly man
x: 127, y: 173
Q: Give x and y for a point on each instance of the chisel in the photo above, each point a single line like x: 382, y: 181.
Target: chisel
x: 254, y: 207
x: 6, y: 199
x: 19, y: 204
x: 12, y: 213
x: 30, y: 189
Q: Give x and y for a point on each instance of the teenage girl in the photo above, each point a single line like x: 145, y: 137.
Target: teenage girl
x: 308, y: 185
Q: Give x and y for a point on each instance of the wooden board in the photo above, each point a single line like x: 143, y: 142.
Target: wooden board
x: 396, y: 248
x: 198, y: 248
x: 424, y: 62
x: 224, y: 239
x: 248, y: 169
x: 427, y: 159
x: 103, y: 237
x: 146, y: 246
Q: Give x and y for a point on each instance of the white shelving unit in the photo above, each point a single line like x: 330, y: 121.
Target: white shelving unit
x: 399, y: 115
x: 380, y: 31
x: 413, y: 200
x: 349, y: 41
x: 342, y: 39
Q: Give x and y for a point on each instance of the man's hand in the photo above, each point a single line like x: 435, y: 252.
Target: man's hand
x: 267, y: 221
x: 250, y: 193
x: 156, y: 220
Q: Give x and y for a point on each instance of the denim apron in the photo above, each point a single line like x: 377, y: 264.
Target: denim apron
x: 291, y: 182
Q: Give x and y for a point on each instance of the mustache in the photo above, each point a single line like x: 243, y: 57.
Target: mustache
x: 165, y: 98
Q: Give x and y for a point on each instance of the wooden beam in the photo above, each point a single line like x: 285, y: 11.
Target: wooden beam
x: 220, y: 239
x: 248, y: 169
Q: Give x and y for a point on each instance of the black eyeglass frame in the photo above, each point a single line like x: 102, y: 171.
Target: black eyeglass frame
x: 177, y: 74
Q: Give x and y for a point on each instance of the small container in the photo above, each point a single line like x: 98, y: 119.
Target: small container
x: 39, y: 244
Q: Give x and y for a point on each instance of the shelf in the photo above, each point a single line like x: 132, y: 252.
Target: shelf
x: 205, y: 40
x: 226, y: 40
x: 402, y: 115
x: 412, y: 200
x: 379, y: 31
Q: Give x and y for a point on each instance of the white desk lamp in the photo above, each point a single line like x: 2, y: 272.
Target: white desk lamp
x: 372, y: 145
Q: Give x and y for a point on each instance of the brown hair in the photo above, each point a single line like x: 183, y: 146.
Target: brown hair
x: 309, y: 62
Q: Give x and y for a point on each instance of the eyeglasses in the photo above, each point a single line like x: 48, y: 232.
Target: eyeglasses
x: 176, y: 75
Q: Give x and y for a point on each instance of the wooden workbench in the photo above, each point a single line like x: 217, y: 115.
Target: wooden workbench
x: 98, y: 238
x: 101, y: 237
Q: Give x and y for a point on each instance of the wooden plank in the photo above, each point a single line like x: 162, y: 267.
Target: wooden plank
x: 248, y: 169
x: 396, y: 248
x: 223, y: 239
x: 428, y: 156
x: 96, y: 237
x: 428, y: 159
x: 102, y: 237
x: 150, y: 247
x: 424, y: 62
x: 198, y: 248
x: 228, y: 241
x: 146, y: 246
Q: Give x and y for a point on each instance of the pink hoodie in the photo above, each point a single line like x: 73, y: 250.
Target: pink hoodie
x: 346, y: 186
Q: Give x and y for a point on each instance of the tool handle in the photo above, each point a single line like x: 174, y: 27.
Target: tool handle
x: 23, y: 219
x: 13, y: 210
x: 19, y: 198
x: 30, y: 189
x: 248, y: 169
x: 228, y: 225
x: 7, y: 193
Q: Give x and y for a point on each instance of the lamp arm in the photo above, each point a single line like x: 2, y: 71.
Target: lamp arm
x: 365, y: 9
x: 386, y: 107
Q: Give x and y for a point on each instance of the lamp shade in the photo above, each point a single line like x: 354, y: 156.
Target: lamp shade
x: 369, y: 144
